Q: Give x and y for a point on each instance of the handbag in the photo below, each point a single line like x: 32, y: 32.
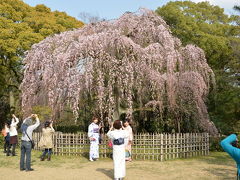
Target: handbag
x: 110, y: 145
x: 32, y: 142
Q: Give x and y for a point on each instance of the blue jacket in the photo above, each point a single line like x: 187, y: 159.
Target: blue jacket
x: 231, y: 150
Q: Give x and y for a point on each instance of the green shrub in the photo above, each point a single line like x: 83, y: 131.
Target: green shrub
x: 214, y: 143
x: 70, y: 129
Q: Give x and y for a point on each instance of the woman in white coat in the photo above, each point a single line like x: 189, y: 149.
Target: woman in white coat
x: 118, y: 137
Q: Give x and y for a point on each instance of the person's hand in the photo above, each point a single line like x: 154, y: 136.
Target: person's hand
x: 129, y: 142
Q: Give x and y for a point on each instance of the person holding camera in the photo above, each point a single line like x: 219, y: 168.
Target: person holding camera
x: 230, y: 145
x: 118, y: 137
x: 27, y: 142
x: 46, y: 141
x: 13, y: 134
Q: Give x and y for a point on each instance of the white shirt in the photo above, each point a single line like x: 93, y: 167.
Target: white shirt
x: 30, y: 130
x: 13, y: 127
x: 130, y: 132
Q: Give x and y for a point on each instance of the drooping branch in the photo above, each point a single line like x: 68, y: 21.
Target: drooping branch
x: 135, y: 54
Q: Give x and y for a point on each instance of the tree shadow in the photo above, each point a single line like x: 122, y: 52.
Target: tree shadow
x: 107, y: 172
x: 219, y: 159
x: 222, y: 160
x: 223, y: 173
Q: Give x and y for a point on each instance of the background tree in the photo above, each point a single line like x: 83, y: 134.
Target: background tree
x: 89, y: 18
x: 131, y: 64
x: 20, y: 27
x: 218, y: 35
x: 237, y: 8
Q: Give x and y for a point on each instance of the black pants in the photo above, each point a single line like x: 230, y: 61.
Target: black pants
x: 13, y: 149
x: 7, y: 146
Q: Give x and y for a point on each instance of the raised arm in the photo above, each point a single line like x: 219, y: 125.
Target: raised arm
x: 109, y: 134
x: 51, y: 126
x: 30, y: 117
x: 15, y: 120
x: 37, y: 123
x: 231, y: 150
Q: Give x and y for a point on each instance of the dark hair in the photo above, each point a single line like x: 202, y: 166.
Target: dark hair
x: 8, y: 123
x: 235, y: 144
x: 47, y: 124
x: 126, y: 120
x: 94, y: 118
x: 117, y: 124
x: 123, y: 116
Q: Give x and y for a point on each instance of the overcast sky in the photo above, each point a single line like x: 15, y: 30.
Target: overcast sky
x: 111, y: 9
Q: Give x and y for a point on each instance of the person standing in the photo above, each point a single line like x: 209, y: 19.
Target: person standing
x: 26, y: 146
x: 230, y: 145
x: 46, y: 141
x: 93, y: 134
x: 118, y: 136
x: 13, y: 134
x: 6, y: 135
x: 129, y: 140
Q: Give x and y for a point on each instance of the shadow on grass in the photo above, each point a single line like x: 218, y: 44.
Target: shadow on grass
x: 223, y: 173
x: 221, y: 159
x: 107, y: 172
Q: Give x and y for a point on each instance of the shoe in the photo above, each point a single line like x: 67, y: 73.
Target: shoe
x: 30, y: 169
x: 90, y: 159
x: 42, y: 158
x: 22, y: 169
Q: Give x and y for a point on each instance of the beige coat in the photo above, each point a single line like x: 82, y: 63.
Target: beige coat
x: 46, y: 141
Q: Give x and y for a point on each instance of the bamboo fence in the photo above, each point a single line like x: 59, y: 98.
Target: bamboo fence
x: 145, y: 146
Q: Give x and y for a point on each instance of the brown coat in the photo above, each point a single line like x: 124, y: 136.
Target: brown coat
x: 46, y: 141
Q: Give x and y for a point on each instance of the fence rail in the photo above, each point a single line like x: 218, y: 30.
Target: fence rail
x: 145, y: 146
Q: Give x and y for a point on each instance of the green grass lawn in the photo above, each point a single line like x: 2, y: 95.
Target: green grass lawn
x: 217, y: 165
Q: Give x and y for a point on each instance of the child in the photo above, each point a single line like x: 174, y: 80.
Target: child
x: 118, y: 137
x: 46, y: 141
x: 93, y: 134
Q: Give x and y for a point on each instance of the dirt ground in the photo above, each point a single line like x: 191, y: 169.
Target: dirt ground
x: 216, y: 166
